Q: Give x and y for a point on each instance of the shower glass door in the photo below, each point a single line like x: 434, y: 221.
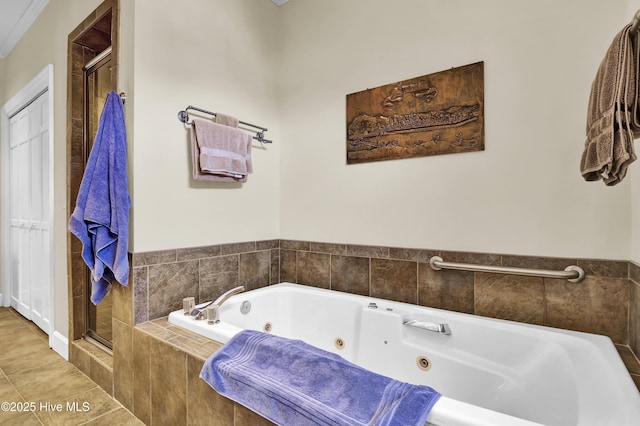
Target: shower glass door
x: 97, y: 75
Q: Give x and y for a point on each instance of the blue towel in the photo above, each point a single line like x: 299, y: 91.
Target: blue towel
x: 101, y: 216
x: 292, y: 383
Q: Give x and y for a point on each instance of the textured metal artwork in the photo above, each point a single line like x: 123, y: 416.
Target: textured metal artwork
x: 440, y: 113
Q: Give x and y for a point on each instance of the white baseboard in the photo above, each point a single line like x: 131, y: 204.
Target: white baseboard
x: 60, y: 344
x: 1, y: 300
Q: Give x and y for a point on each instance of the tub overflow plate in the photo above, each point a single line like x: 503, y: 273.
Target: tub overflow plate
x: 245, y: 307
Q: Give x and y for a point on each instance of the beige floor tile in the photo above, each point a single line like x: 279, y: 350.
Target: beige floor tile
x: 15, y: 333
x: 120, y: 417
x: 5, y: 388
x: 19, y: 342
x: 10, y: 395
x: 37, y: 384
x: 26, y: 419
x: 8, y: 323
x: 32, y: 372
x: 79, y: 409
x: 28, y: 358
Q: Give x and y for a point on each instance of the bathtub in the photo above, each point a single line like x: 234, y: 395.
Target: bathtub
x: 490, y: 372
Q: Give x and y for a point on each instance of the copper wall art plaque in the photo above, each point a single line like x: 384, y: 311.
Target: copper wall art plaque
x: 440, y: 113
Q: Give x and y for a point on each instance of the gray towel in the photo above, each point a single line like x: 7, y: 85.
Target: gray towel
x: 613, y: 119
x: 220, y: 153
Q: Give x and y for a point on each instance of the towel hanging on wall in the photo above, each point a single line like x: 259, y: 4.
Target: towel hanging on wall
x: 612, y: 119
x: 101, y: 216
x: 220, y: 152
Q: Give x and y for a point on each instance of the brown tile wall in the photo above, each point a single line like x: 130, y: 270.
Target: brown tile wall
x: 634, y: 317
x: 600, y: 304
x: 158, y: 283
x: 162, y: 279
x: 606, y: 302
x: 94, y: 362
x: 168, y: 390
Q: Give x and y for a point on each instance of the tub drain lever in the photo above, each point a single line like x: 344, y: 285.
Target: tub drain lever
x: 429, y: 326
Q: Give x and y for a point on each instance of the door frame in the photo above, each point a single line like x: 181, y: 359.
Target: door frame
x: 39, y: 84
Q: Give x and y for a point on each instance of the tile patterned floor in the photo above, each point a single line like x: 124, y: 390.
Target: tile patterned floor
x: 50, y: 390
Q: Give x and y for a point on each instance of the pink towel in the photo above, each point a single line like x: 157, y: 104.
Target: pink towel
x: 220, y: 153
x: 226, y: 120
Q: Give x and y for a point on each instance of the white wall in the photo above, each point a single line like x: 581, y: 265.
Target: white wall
x: 2, y: 79
x: 290, y: 68
x: 218, y: 55
x: 2, y: 102
x: 221, y: 56
x: 46, y: 43
x: 522, y: 195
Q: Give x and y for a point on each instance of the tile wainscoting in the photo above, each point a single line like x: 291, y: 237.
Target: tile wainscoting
x: 599, y: 304
x: 162, y: 279
x: 606, y: 302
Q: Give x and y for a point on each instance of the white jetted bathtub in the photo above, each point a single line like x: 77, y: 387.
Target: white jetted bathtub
x: 490, y: 372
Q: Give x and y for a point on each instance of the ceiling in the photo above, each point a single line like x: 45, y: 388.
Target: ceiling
x: 16, y: 16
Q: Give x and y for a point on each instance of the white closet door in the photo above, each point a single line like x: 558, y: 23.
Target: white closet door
x: 19, y: 158
x: 31, y: 283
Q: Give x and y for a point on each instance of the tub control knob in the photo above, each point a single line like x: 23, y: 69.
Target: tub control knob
x: 188, y: 304
x: 372, y: 305
x: 213, y: 315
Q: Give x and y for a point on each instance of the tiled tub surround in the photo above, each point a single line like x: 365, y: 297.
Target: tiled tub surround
x: 606, y: 302
x: 599, y: 304
x: 162, y: 279
x: 167, y: 389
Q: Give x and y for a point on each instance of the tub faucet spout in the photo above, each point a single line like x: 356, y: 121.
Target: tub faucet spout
x: 212, y: 309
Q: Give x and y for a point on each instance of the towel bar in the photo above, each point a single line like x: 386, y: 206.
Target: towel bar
x: 573, y: 273
x: 183, y: 116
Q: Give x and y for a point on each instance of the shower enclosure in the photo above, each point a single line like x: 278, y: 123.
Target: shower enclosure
x: 97, y: 83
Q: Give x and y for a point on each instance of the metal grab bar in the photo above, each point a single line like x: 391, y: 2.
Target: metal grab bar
x: 573, y: 273
x: 429, y: 326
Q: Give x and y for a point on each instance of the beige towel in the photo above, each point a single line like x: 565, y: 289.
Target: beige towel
x: 220, y: 153
x: 226, y: 120
x: 612, y: 118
